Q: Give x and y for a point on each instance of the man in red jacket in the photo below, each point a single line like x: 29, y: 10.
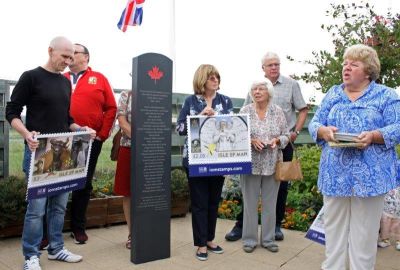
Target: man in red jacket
x: 92, y: 104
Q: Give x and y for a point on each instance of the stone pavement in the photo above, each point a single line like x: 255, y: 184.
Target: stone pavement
x: 106, y: 250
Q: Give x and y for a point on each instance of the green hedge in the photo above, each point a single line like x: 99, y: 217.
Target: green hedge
x: 12, y: 200
x: 304, y: 200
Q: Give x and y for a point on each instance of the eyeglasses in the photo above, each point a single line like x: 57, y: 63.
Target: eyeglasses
x: 272, y: 65
x: 259, y: 89
x: 213, y: 78
x: 80, y: 52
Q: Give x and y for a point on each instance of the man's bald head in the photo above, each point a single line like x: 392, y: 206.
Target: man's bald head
x: 61, y: 42
x: 61, y: 53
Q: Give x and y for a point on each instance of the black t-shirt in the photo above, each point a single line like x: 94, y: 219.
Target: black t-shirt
x: 47, y: 97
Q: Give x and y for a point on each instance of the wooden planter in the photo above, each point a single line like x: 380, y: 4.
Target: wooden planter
x: 179, y: 206
x: 14, y: 229
x: 115, y: 212
x: 96, y: 214
x: 102, y: 212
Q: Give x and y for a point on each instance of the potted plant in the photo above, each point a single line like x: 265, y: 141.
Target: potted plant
x: 179, y: 193
x: 12, y: 206
x: 103, y: 186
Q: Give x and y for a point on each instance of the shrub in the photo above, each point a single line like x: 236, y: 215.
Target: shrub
x: 179, y: 184
x: 304, y: 200
x: 309, y: 156
x: 297, y: 220
x: 231, y: 189
x: 231, y: 205
x: 12, y: 200
x: 103, y: 185
x: 229, y: 209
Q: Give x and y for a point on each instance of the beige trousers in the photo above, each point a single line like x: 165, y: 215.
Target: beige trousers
x: 351, y: 232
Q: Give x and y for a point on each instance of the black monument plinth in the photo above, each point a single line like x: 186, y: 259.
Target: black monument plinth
x: 151, y: 157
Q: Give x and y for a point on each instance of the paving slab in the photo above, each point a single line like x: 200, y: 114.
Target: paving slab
x: 106, y: 250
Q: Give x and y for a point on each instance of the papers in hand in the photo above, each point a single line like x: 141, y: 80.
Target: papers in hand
x: 345, y: 144
x: 345, y: 140
x: 345, y: 137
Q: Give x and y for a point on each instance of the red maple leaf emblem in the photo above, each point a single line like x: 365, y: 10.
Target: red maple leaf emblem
x: 155, y: 74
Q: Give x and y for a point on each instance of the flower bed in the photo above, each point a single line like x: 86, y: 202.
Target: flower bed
x: 229, y: 209
x: 303, y: 202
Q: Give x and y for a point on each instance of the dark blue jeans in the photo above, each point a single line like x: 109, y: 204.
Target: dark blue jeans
x: 54, y: 207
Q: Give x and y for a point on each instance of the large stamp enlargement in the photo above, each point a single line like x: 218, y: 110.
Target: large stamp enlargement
x: 219, y: 145
x: 59, y: 164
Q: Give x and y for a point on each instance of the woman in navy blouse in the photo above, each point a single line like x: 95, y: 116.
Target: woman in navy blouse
x: 355, y: 180
x: 205, y: 192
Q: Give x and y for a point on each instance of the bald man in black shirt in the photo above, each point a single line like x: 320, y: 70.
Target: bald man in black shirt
x: 46, y: 94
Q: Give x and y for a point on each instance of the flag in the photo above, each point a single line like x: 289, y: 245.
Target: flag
x: 132, y: 14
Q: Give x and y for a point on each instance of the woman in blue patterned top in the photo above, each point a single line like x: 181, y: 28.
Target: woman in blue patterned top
x: 205, y: 192
x: 355, y: 180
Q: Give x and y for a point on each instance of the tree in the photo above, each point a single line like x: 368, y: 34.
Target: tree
x: 354, y: 24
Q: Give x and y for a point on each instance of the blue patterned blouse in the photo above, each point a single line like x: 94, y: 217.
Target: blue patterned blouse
x: 195, y: 104
x: 345, y: 172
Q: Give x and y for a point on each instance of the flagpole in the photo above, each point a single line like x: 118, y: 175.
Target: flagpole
x: 173, y: 47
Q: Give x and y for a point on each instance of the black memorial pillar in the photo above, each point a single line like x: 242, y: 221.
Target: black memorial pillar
x: 151, y: 157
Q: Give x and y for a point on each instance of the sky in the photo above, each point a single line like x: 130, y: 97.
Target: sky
x: 232, y: 35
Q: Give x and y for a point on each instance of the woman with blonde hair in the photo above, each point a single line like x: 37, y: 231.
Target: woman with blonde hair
x: 205, y: 192
x: 354, y: 180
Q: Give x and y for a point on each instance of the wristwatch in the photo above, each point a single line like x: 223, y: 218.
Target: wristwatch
x: 297, y: 132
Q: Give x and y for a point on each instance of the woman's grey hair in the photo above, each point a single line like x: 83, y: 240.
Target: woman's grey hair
x: 264, y: 82
x: 269, y: 56
x: 366, y: 55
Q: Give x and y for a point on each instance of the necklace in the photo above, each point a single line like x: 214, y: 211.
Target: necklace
x: 261, y: 113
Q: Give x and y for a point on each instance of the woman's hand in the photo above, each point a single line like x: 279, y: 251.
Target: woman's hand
x: 275, y: 142
x: 326, y: 133
x: 126, y: 131
x: 125, y: 126
x: 366, y: 138
x: 208, y: 111
x: 257, y: 144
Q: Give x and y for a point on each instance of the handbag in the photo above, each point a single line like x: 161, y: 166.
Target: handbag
x: 116, y: 142
x: 289, y: 170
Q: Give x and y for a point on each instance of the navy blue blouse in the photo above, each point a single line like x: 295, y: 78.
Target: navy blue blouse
x: 194, y: 105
